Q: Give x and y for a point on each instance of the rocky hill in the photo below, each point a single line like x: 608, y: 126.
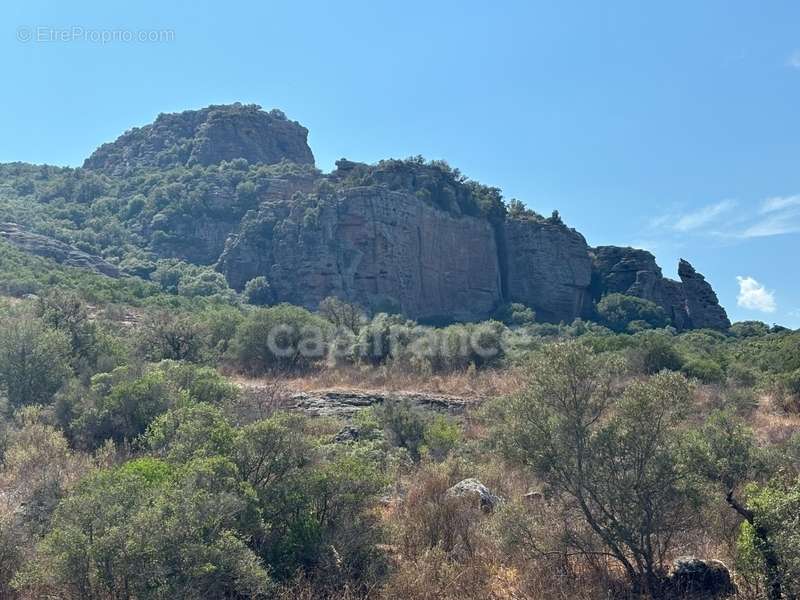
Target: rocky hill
x: 234, y: 187
x: 206, y: 137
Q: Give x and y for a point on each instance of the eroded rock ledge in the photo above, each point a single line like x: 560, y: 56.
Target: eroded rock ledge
x: 47, y: 247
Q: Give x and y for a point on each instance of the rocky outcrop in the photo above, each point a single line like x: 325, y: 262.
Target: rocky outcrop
x: 406, y: 236
x: 702, y: 305
x: 346, y: 403
x: 547, y: 268
x: 207, y: 136
x: 690, y: 303
x: 47, y: 247
x: 383, y: 249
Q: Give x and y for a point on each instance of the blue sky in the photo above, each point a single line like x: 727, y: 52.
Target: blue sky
x: 672, y: 127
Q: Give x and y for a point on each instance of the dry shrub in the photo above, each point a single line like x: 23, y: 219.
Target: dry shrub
x: 261, y: 401
x: 435, y: 575
x: 469, y: 383
x: 442, y: 550
x: 301, y: 588
x: 430, y: 519
x: 771, y: 424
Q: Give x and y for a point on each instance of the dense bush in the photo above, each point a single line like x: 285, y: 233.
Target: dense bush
x: 34, y: 360
x: 515, y: 314
x: 258, y: 292
x: 197, y: 520
x: 705, y: 370
x: 618, y: 312
x: 279, y: 338
x: 654, y: 353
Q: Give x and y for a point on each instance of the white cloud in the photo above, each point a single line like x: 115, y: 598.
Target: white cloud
x: 794, y: 60
x: 777, y: 216
x: 703, y: 216
x: 693, y: 220
x: 755, y: 296
x: 779, y: 203
x: 773, y: 225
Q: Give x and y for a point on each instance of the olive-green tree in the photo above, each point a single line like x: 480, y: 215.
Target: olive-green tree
x: 613, y: 455
x: 34, y: 360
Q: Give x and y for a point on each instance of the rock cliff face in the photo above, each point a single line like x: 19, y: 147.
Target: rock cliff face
x: 547, y: 267
x: 205, y: 137
x: 689, y: 303
x: 408, y: 236
x: 380, y: 248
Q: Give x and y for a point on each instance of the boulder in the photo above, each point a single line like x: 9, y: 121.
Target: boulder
x: 693, y: 577
x: 472, y: 488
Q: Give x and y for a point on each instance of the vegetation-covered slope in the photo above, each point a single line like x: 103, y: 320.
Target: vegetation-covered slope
x: 163, y: 435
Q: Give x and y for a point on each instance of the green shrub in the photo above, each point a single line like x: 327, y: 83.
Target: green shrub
x: 703, y: 369
x: 34, y: 360
x: 404, y: 425
x: 515, y: 315
x: 656, y: 353
x: 617, y: 311
x: 258, y: 292
x: 384, y: 338
x: 743, y: 329
x: 197, y: 520
x: 279, y: 338
x: 441, y: 435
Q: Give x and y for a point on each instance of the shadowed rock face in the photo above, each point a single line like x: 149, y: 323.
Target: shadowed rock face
x: 380, y: 248
x: 690, y: 303
x: 702, y: 304
x: 547, y: 267
x: 207, y: 136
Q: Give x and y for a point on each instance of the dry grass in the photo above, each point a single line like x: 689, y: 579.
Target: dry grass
x: 468, y: 384
x: 773, y: 425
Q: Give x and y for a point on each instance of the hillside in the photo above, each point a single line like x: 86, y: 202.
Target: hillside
x: 254, y: 380
x: 234, y: 188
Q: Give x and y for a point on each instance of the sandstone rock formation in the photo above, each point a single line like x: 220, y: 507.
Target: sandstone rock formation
x: 205, y: 137
x: 201, y: 238
x: 547, y: 267
x: 344, y: 404
x: 702, y: 304
x: 409, y: 236
x: 62, y: 253
x: 690, y: 303
x: 373, y: 246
